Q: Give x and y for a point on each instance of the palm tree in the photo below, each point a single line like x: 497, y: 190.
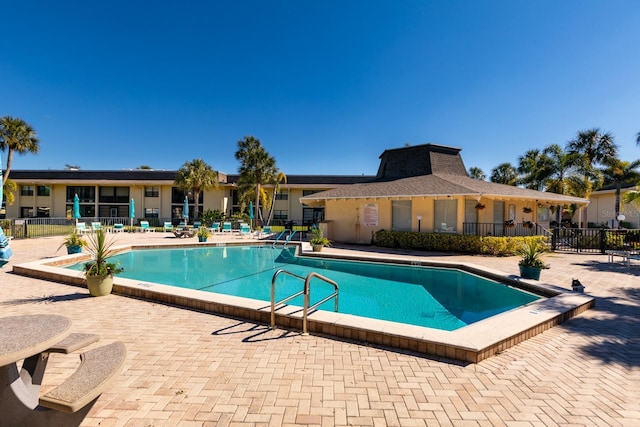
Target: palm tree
x: 591, y: 147
x: 257, y: 167
x: 595, y: 146
x: 477, y: 173
x: 16, y: 136
x: 196, y: 176
x: 638, y: 139
x: 534, y: 168
x: 280, y: 178
x: 504, y: 173
x: 618, y: 172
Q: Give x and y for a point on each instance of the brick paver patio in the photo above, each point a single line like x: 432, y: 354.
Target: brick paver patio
x: 186, y: 368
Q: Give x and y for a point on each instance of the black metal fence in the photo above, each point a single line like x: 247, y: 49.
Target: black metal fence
x: 590, y: 240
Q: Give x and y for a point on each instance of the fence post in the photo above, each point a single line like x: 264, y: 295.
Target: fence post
x: 603, y: 241
x: 554, y: 239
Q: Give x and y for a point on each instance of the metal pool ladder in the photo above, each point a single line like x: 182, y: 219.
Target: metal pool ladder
x: 288, y: 239
x: 306, y: 292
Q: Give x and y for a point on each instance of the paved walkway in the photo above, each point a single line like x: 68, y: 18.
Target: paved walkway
x: 194, y: 369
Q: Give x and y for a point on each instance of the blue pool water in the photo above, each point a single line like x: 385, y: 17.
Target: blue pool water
x: 433, y: 297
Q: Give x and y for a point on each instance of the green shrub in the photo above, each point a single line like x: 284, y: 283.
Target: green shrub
x: 441, y: 242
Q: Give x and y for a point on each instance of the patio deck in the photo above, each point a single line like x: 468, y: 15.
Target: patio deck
x: 192, y: 369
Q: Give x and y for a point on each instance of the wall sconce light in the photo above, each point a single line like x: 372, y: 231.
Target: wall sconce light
x: 419, y: 217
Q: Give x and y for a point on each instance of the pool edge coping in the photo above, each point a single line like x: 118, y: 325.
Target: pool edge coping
x: 471, y: 343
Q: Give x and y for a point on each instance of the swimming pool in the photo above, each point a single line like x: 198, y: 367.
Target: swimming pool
x: 440, y: 298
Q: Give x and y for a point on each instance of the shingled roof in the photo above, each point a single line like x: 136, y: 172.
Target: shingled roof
x: 430, y: 171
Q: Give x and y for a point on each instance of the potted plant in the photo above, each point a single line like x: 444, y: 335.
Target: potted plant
x: 527, y: 209
x: 479, y: 206
x: 74, y: 243
x: 99, y: 272
x: 509, y: 223
x: 203, y: 234
x: 531, y: 263
x: 317, y: 240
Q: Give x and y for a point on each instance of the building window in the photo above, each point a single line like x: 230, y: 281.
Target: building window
x: 151, y: 191
x: 86, y: 211
x: 151, y: 212
x: 445, y: 215
x: 280, y: 215
x: 26, y: 190
x: 114, y: 194
x: 44, y: 190
x: 282, y: 195
x: 312, y: 215
x: 26, y: 212
x: 85, y: 194
x: 42, y: 212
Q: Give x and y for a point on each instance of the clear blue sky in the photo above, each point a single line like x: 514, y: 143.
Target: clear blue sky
x: 325, y: 85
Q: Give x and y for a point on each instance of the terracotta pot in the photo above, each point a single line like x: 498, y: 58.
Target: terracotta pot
x: 317, y: 248
x: 100, y: 285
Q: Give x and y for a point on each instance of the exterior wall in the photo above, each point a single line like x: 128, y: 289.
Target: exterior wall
x: 602, y: 209
x: 212, y: 199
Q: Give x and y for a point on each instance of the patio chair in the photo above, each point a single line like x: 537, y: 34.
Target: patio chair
x: 167, y: 226
x: 215, y: 227
x: 245, y: 230
x: 266, y: 232
x: 144, y: 227
x: 226, y: 227
x: 197, y: 224
x: 81, y: 228
x: 118, y: 228
x: 95, y: 226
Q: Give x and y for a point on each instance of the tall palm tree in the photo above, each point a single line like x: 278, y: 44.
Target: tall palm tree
x: 257, y: 167
x: 280, y: 178
x: 477, y: 173
x: 533, y: 168
x: 505, y: 173
x: 16, y: 136
x: 196, y: 176
x: 596, y: 147
x: 618, y: 172
x: 638, y: 139
x: 591, y: 147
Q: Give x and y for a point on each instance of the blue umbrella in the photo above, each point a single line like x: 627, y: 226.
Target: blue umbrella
x: 250, y: 210
x: 132, y: 211
x: 1, y: 182
x: 76, y: 207
x: 185, y: 210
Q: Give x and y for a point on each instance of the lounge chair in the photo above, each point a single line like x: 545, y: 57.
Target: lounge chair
x: 245, y: 230
x: 226, y: 227
x: 185, y: 233
x: 266, y: 232
x: 118, y: 228
x: 197, y: 224
x: 215, y: 227
x: 167, y: 227
x: 95, y: 226
x: 81, y: 228
x: 144, y: 227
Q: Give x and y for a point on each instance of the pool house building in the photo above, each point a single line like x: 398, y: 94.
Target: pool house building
x: 417, y: 188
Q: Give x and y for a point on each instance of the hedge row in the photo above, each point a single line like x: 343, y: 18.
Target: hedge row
x: 439, y: 242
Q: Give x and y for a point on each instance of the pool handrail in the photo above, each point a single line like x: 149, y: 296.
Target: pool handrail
x: 273, y: 294
x: 307, y: 297
x: 306, y: 291
x: 278, y: 238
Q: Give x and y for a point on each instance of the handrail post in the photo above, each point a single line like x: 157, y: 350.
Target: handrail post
x: 305, y: 307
